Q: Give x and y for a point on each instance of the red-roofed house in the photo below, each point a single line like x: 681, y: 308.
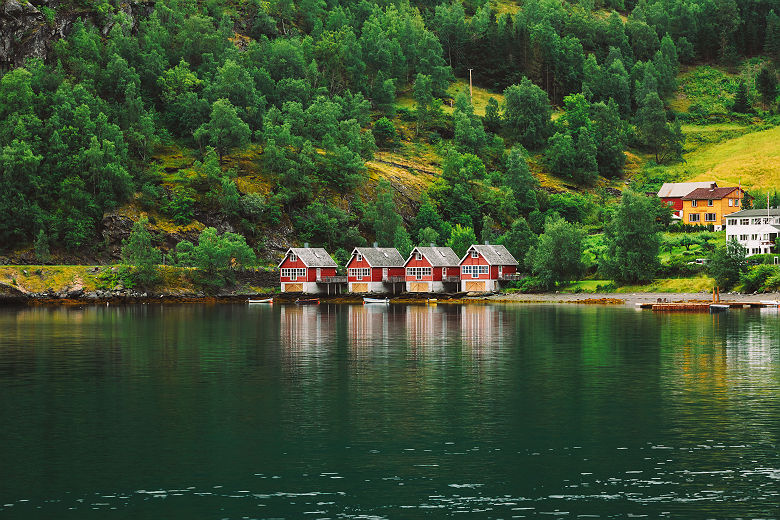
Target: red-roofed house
x: 484, y: 267
x: 375, y: 269
x: 428, y: 269
x: 709, y: 206
x: 308, y: 270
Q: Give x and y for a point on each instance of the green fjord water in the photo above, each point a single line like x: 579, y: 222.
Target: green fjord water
x: 235, y: 411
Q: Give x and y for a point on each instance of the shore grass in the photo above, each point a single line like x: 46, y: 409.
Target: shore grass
x: 660, y: 285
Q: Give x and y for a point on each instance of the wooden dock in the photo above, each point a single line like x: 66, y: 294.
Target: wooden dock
x: 703, y: 306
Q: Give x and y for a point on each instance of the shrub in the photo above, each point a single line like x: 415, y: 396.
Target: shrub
x: 757, y: 276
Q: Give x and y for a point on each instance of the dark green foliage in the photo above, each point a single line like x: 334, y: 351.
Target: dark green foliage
x: 755, y: 278
x: 662, y: 138
x: 527, y: 114
x: 383, y: 216
x: 216, y: 256
x: 632, y: 240
x: 557, y: 255
x: 741, y: 102
x: 461, y: 239
x: 41, y: 247
x: 139, y: 253
x: 385, y: 133
x: 519, y: 239
x: 520, y: 180
x: 469, y: 132
x: 224, y: 130
x: 766, y: 84
x: 728, y: 264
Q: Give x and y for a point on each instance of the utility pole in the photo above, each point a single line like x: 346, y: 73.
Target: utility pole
x: 471, y: 90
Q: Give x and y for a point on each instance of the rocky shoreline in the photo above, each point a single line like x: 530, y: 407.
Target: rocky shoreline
x: 80, y: 297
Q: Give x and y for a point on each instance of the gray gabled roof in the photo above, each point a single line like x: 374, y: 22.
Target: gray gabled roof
x: 380, y: 256
x: 437, y: 256
x: 681, y: 189
x: 494, y: 254
x: 774, y: 212
x: 311, y: 256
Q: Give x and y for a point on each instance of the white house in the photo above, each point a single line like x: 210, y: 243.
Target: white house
x: 755, y: 229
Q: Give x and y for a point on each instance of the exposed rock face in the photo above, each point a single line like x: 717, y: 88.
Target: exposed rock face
x: 25, y: 31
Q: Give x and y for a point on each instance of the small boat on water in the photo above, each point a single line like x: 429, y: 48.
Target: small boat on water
x: 307, y: 301
x: 431, y: 301
x: 265, y: 300
x: 384, y: 301
x: 719, y: 307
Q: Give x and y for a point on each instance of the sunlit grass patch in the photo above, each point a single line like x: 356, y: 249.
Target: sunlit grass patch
x: 672, y: 285
x: 752, y: 159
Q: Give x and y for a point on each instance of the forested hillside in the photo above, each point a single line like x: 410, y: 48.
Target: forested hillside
x: 341, y: 123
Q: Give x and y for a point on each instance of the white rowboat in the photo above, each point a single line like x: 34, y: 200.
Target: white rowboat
x: 384, y: 301
x: 267, y: 300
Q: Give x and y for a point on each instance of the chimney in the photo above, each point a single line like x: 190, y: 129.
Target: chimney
x: 376, y: 244
x: 305, y: 244
x: 433, y: 245
x: 487, y: 242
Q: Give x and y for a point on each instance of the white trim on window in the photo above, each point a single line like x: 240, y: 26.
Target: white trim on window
x: 293, y: 272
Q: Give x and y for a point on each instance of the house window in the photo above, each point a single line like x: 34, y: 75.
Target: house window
x: 693, y: 203
x: 359, y: 272
x: 743, y: 237
x: 694, y: 217
x: 293, y: 257
x: 709, y: 217
x: 731, y: 202
x: 754, y: 237
x: 732, y: 222
x: 293, y: 273
x: 359, y: 257
x: 756, y: 221
x: 418, y: 272
x: 474, y: 254
x: 744, y: 222
x: 710, y: 202
x: 417, y: 255
x: 474, y: 270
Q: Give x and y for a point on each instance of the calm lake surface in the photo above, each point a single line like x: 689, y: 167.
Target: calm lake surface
x: 518, y: 411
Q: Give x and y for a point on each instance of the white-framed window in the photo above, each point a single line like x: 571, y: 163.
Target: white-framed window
x: 732, y: 222
x: 474, y: 254
x: 744, y: 222
x: 731, y: 202
x: 709, y: 217
x: 710, y: 202
x: 693, y: 203
x: 359, y: 257
x: 757, y: 221
x: 694, y: 217
x: 767, y: 220
x: 474, y: 270
x: 293, y: 272
x: 293, y: 257
x: 359, y: 272
x: 417, y: 255
x: 743, y: 237
x: 418, y: 272
x: 754, y: 237
x: 736, y: 202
